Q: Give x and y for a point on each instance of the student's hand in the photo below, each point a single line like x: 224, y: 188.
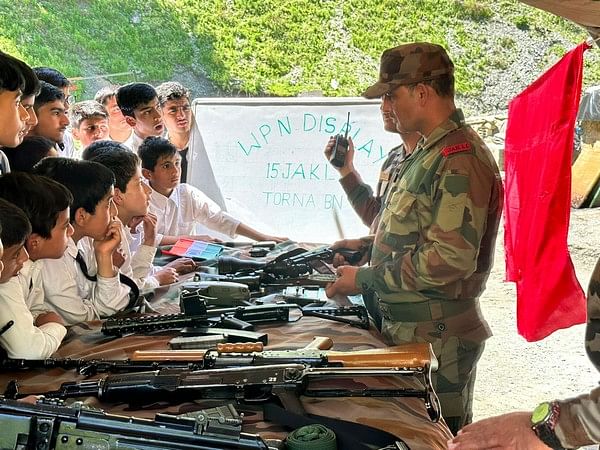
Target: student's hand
x: 506, y: 432
x: 345, y: 284
x: 133, y: 223
x: 277, y: 239
x: 149, y: 221
x: 104, y: 249
x: 204, y: 238
x: 183, y: 265
x: 118, y: 257
x: 48, y: 317
x: 348, y: 166
x: 350, y: 244
x: 168, y: 275
x: 111, y: 241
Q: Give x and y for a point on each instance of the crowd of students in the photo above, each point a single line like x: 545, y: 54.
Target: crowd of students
x: 80, y: 224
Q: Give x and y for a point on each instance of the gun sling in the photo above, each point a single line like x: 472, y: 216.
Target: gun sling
x: 349, y: 434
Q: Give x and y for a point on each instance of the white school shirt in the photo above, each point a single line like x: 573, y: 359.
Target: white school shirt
x: 24, y: 339
x: 75, y: 298
x: 133, y: 142
x: 185, y: 207
x: 4, y: 163
x: 30, y: 277
x: 138, y: 263
x: 67, y: 150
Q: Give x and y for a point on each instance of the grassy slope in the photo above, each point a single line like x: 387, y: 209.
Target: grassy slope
x: 277, y: 47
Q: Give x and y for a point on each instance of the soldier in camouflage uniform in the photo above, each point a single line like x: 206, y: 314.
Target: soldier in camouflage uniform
x: 368, y: 206
x: 571, y: 423
x: 433, y: 250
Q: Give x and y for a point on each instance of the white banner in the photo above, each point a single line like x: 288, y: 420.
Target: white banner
x: 262, y: 160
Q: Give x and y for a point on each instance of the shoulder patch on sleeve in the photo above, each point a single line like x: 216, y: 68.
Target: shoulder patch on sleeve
x: 451, y: 149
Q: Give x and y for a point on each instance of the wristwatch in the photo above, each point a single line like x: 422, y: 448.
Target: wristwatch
x: 543, y: 422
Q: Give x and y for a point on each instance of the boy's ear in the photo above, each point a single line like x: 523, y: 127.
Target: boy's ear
x: 81, y: 216
x: 147, y: 174
x: 130, y: 121
x: 118, y: 197
x: 33, y: 242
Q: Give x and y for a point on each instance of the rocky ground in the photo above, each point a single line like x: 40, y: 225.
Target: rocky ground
x: 516, y: 375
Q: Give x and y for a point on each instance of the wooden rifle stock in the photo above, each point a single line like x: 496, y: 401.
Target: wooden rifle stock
x: 411, y: 356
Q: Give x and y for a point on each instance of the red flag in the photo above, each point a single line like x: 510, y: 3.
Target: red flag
x: 537, y: 164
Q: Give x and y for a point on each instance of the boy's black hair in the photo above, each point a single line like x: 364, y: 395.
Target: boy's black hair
x: 87, y: 109
x: 105, y: 94
x: 40, y: 198
x: 32, y: 83
x: 15, y: 226
x: 152, y: 149
x: 122, y: 163
x: 24, y: 156
x: 171, y: 90
x: 11, y: 73
x: 89, y: 182
x: 48, y: 93
x: 134, y: 95
x: 104, y: 146
x: 52, y: 76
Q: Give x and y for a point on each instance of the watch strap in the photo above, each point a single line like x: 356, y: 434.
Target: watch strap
x: 545, y: 429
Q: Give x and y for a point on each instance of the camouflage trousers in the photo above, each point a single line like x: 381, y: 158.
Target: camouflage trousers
x: 458, y: 343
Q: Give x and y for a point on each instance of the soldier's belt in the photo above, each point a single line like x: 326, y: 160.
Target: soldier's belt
x: 427, y: 311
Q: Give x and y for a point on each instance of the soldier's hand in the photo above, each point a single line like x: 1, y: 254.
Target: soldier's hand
x: 348, y: 166
x: 345, y: 284
x: 350, y: 244
x: 508, y: 431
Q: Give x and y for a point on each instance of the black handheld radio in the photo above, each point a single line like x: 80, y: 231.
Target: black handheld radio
x: 340, y: 148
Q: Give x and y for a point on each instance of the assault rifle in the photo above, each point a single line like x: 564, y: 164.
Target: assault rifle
x: 46, y: 426
x: 255, y: 384
x: 416, y: 357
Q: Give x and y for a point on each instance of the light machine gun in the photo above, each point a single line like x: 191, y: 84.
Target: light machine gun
x: 50, y: 426
x: 239, y: 319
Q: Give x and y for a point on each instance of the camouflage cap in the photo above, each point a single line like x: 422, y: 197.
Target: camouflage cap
x: 408, y: 64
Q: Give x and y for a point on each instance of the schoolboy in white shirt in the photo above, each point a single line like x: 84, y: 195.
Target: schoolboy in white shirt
x: 84, y: 284
x: 28, y: 337
x: 13, y: 115
x: 89, y: 122
x: 139, y: 104
x: 179, y: 206
x: 132, y: 196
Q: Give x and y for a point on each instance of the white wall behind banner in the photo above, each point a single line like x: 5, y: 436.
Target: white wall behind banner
x: 262, y: 160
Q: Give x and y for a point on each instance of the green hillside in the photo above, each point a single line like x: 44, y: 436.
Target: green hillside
x: 287, y: 47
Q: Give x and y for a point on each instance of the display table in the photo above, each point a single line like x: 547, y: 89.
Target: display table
x: 405, y: 417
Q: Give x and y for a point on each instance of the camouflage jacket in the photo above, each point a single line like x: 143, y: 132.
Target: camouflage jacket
x: 439, y: 223
x: 360, y: 194
x: 579, y: 419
